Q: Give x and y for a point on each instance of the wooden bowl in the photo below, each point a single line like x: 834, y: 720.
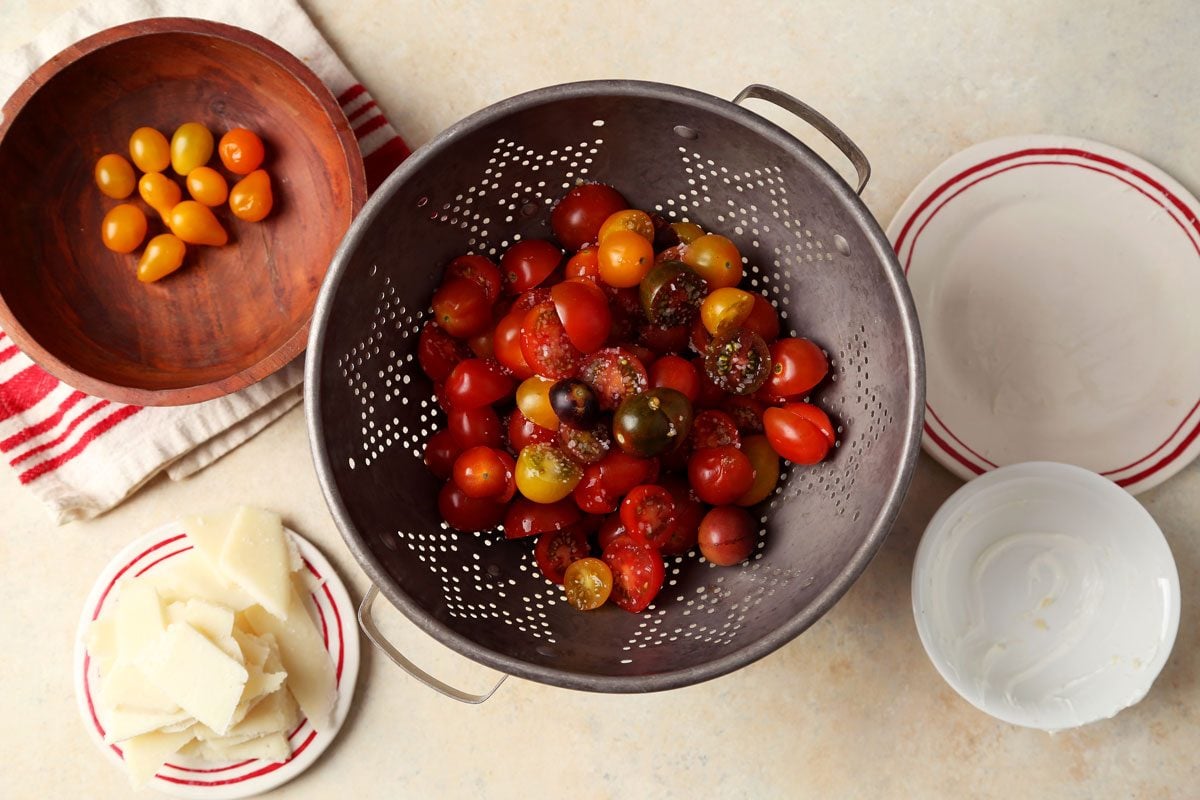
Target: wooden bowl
x: 232, y: 315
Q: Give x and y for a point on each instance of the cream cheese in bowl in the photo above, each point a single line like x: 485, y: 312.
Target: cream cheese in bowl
x: 1046, y: 595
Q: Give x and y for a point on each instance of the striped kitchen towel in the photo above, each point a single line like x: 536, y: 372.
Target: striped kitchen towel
x: 82, y: 455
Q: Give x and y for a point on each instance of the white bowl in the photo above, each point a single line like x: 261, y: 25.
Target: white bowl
x: 1046, y: 595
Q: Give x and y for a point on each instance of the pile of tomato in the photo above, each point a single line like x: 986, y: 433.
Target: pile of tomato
x: 615, y: 393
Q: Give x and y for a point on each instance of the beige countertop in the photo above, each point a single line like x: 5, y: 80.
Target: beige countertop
x: 852, y: 708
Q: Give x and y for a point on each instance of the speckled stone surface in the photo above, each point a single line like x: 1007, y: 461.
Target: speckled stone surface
x: 850, y: 709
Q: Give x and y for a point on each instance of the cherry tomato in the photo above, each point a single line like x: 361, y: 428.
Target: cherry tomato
x: 162, y: 256
x: 628, y: 219
x: 545, y: 343
x: 637, y: 572
x: 662, y: 340
x: 720, y: 475
x: 794, y: 435
x: 467, y: 513
x: 114, y: 176
x: 648, y: 512
x: 576, y: 219
x: 585, y: 445
x: 207, y: 186
x: 766, y: 469
x: 626, y: 308
x: 558, y: 550
x: 713, y: 428
x: 574, y: 403
x: 587, y: 583
x: 251, y: 198
x: 699, y: 337
x: 485, y: 472
x: 625, y: 258
x: 522, y: 432
x: 533, y: 400
x: 671, y: 294
x: 196, y: 224
x: 583, y: 310
x: 474, y: 426
x: 664, y: 235
x: 123, y: 228
x: 746, y: 412
x: 160, y: 193
x: 688, y: 512
x: 711, y: 395
x: 676, y: 373
x: 461, y: 308
x: 604, y: 484
x: 816, y: 416
x: 475, y: 382
x: 610, y: 531
x: 241, y: 151
x: 716, y: 259
x: 725, y: 310
x: 653, y: 422
x: 150, y: 150
x: 727, y: 535
x: 797, y: 365
x: 441, y: 451
x: 527, y: 518
x: 479, y: 269
x: 614, y: 374
x: 506, y: 345
x: 438, y: 352
x: 528, y: 300
x: 545, y: 474
x: 763, y: 319
x: 191, y: 147
x: 583, y: 264
x: 687, y: 232
x: 671, y: 254
x: 738, y: 362
x: 481, y: 346
x: 527, y: 263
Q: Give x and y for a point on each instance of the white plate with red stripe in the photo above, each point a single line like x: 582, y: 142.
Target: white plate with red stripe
x: 1057, y: 282
x: 183, y: 777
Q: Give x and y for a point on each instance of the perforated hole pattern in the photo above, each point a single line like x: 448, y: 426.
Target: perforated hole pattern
x: 498, y: 186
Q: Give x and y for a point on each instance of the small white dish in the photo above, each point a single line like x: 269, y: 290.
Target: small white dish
x: 1056, y: 283
x: 184, y: 777
x: 1045, y: 595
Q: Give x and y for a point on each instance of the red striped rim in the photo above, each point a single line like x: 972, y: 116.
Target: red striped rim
x: 945, y: 186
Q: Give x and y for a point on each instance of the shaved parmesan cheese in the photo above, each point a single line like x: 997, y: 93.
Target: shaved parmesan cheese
x: 255, y: 556
x: 302, y: 650
x: 214, y: 621
x: 139, y: 621
x: 196, y: 675
x: 208, y: 533
x: 126, y: 688
x: 121, y: 725
x: 102, y: 643
x: 144, y: 755
x: 273, y: 747
x: 190, y: 576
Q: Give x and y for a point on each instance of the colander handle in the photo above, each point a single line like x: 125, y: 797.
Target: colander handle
x: 367, y: 622
x: 816, y: 119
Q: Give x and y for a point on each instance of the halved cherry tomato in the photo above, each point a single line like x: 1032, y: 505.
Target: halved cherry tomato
x: 527, y: 300
x: 583, y: 309
x: 506, y: 345
x: 816, y: 416
x: 687, y: 232
x: 461, y: 308
x: 545, y: 343
x: 727, y: 535
x: 522, y: 432
x: 475, y: 382
x: 533, y: 400
x: 765, y: 461
x: 527, y: 518
x: 585, y: 445
x: 610, y: 530
x: 545, y: 474
x: 671, y: 294
x: 716, y: 258
x: 583, y: 264
x: 793, y: 434
x: 614, y: 374
x: 720, y: 475
x: 725, y: 310
x: 738, y: 362
x: 485, y: 472
x: 605, y: 483
x: 688, y: 513
x: 797, y: 365
x: 675, y: 372
x: 207, y: 186
x: 114, y: 176
x: 527, y: 263
x: 629, y: 219
x: 647, y: 513
x: 479, y: 269
x: 746, y: 412
x: 441, y: 451
x: 558, y: 550
x: 713, y: 428
x: 474, y: 426
x: 671, y: 254
x: 467, y: 513
x: 763, y: 319
x: 662, y: 340
x: 710, y: 395
x: 438, y: 352
x: 251, y: 198
x: 123, y: 228
x: 576, y: 219
x: 587, y: 583
x: 625, y: 258
x: 699, y: 337
x: 150, y: 150
x: 241, y: 151
x: 638, y: 574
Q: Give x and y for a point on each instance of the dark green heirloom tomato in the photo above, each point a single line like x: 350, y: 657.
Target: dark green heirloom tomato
x: 653, y: 422
x: 671, y: 294
x: 575, y: 403
x: 738, y: 362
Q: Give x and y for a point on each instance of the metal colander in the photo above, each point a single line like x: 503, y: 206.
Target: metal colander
x: 809, y: 244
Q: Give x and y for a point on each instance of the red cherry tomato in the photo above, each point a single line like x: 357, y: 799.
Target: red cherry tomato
x: 699, y: 337
x: 583, y: 309
x: 467, y: 513
x: 475, y: 382
x: 797, y: 365
x: 523, y: 431
x: 763, y: 319
x: 527, y: 263
x: 712, y: 428
x: 638, y: 574
x: 506, y: 345
x: 557, y: 550
x: 614, y: 374
x: 746, y: 412
x: 546, y: 345
x: 611, y: 529
x: 485, y: 472
x: 675, y: 372
x: 794, y: 436
x: 438, y: 352
x: 462, y: 308
x: 576, y: 219
x: 479, y: 269
x: 688, y: 512
x: 816, y: 416
x: 710, y: 394
x: 664, y: 340
x: 527, y: 300
x: 727, y: 535
x: 720, y: 475
x: 584, y: 264
x: 527, y: 518
x: 626, y: 308
x: 440, y: 453
x: 474, y: 427
x: 605, y: 483
x: 648, y: 512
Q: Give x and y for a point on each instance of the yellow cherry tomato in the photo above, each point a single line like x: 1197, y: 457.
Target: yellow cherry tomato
x: 545, y: 474
x: 687, y: 232
x: 251, y: 198
x: 150, y: 150
x: 196, y: 224
x: 624, y: 258
x: 587, y: 583
x: 533, y: 398
x: 114, y: 176
x: 725, y: 310
x: 160, y: 192
x: 207, y: 186
x: 162, y: 256
x: 716, y: 259
x: 628, y: 220
x: 765, y: 461
x: 241, y: 151
x: 123, y: 228
x: 191, y: 147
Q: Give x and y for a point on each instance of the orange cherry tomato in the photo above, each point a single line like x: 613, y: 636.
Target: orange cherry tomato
x: 195, y: 224
x: 123, y: 228
x: 207, y: 186
x: 191, y: 147
x: 114, y: 176
x: 716, y: 259
x: 624, y: 258
x: 251, y: 198
x: 150, y: 150
x: 587, y: 583
x: 162, y: 256
x: 241, y: 151
x: 725, y: 310
x: 160, y: 192
x: 628, y: 220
